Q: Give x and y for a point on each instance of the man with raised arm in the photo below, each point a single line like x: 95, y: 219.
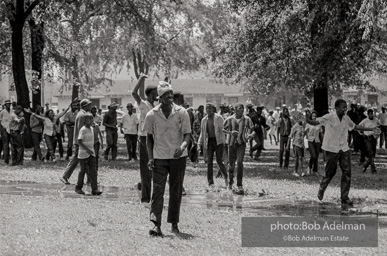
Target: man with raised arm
x: 335, y: 145
x: 144, y: 105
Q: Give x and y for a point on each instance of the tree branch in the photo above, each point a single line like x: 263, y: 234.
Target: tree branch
x: 30, y: 8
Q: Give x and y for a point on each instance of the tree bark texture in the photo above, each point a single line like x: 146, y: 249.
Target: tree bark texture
x: 37, y: 45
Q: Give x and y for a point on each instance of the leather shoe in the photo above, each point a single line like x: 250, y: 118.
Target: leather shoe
x: 175, y: 228
x: 96, y: 192
x: 79, y: 191
x: 320, y: 194
x: 156, y: 231
x: 347, y: 202
x: 65, y: 180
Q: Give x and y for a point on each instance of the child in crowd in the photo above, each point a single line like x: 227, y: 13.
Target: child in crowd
x: 297, y: 135
x: 87, y: 157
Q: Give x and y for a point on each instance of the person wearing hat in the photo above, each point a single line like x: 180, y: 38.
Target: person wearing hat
x: 69, y: 120
x: 5, y: 119
x: 79, y: 122
x: 169, y: 132
x: 128, y: 127
x: 110, y: 123
x: 212, y: 140
x: 16, y: 128
x: 144, y: 106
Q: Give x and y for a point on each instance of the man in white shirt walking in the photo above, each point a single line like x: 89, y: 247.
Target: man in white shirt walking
x: 128, y: 127
x: 335, y: 145
x: 370, y: 140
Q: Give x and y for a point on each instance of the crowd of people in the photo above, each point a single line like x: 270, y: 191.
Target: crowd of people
x: 166, y: 131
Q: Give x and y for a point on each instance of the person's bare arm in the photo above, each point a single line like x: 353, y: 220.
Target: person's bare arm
x: 184, y: 144
x: 135, y: 94
x: 80, y: 143
x: 149, y: 147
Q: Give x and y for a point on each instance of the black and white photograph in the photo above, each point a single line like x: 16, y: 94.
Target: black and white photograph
x: 193, y: 127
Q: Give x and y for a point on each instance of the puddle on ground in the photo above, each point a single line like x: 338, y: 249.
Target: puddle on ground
x: 224, y: 200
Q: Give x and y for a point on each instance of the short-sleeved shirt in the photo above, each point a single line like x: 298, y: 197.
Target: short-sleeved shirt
x: 368, y: 123
x: 16, y: 123
x: 168, y: 133
x: 87, y: 137
x: 70, y: 117
x: 110, y: 118
x: 37, y: 123
x: 79, y: 123
x: 313, y: 132
x: 5, y: 118
x: 129, y: 123
x: 336, y: 132
x: 297, y: 135
x: 144, y: 107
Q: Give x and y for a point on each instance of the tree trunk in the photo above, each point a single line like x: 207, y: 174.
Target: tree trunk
x: 37, y: 45
x: 77, y: 80
x: 18, y: 67
x: 320, y: 96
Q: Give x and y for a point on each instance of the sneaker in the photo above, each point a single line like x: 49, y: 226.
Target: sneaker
x: 54, y: 160
x: 211, y: 187
x: 295, y: 174
x: 303, y: 174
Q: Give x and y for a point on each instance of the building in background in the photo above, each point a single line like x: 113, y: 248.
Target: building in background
x: 196, y: 92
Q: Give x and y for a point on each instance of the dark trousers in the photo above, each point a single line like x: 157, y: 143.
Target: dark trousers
x: 383, y: 136
x: 36, y: 139
x: 362, y: 147
x: 87, y: 167
x: 212, y: 148
x: 72, y: 164
x: 131, y: 145
x: 146, y: 174
x: 283, y: 145
x: 314, y: 150
x: 176, y: 170
x: 1, y: 146
x: 51, y: 143
x: 6, y: 140
x: 258, y: 138
x: 370, y: 144
x: 58, y: 142
x: 97, y: 146
x: 70, y: 138
x: 17, y: 147
x: 344, y: 159
x: 236, y: 154
x: 111, y: 142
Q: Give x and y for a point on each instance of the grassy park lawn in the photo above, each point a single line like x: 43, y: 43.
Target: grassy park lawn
x: 55, y: 225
